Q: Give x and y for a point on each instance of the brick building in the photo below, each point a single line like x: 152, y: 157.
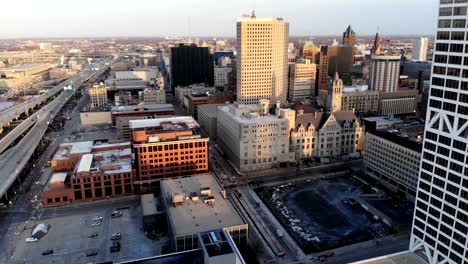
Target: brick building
x: 167, y: 147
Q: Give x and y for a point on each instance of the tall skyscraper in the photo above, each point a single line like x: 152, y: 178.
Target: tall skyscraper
x: 440, y: 225
x: 420, y: 46
x: 384, y: 73
x: 262, y: 59
x: 191, y: 65
x: 322, y: 61
x: 301, y: 80
x: 349, y: 36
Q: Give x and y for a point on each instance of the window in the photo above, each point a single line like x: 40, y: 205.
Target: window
x: 441, y: 59
x: 453, y: 71
x: 443, y: 35
x: 458, y: 35
x: 458, y: 23
x: 440, y: 70
x: 455, y: 60
x: 459, y: 11
x: 445, y: 11
x: 442, y: 47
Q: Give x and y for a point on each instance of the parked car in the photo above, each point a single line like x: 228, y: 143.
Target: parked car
x: 93, y: 235
x: 116, y: 236
x: 96, y: 223
x: 48, y: 252
x: 31, y: 239
x: 96, y: 218
x: 116, y: 214
x: 115, y: 247
x: 91, y: 253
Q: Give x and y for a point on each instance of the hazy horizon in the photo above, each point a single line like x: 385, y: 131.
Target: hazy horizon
x: 146, y: 19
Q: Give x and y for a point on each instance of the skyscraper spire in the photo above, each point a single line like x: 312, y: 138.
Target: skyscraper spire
x: 349, y: 36
x: 377, y: 48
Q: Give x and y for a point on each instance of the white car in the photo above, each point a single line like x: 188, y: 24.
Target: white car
x: 31, y: 239
x: 96, y: 218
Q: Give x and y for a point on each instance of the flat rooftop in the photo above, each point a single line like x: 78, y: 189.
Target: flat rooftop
x: 67, y: 149
x: 146, y: 107
x: 106, y: 162
x: 157, y: 122
x: 399, y: 138
x: 209, y: 109
x: 24, y: 67
x: 404, y: 257
x: 191, y: 217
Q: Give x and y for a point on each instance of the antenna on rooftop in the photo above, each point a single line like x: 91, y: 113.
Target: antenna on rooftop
x: 189, y: 30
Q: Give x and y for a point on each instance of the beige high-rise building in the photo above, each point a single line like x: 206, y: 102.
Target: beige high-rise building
x: 262, y: 59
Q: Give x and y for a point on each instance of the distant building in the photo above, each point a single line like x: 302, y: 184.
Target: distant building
x: 191, y: 64
x: 19, y: 75
x: 196, y: 205
x: 182, y: 91
x: 393, y: 158
x: 146, y: 74
x: 384, y: 73
x: 45, y: 46
x: 302, y: 80
x: 420, y: 47
x: 207, y: 118
x: 336, y: 94
x: 148, y: 110
x: 97, y: 96
x: 191, y: 102
x: 360, y: 99
x: 94, y: 172
x: 221, y: 76
x: 262, y: 71
x: 340, y: 59
x: 220, y: 54
x: 322, y: 61
x: 253, y: 139
x: 349, y: 36
x: 154, y: 96
x: 402, y: 101
x: 167, y: 147
x: 309, y: 51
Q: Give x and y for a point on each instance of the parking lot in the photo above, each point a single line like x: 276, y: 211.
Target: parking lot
x: 69, y: 236
x: 315, y: 213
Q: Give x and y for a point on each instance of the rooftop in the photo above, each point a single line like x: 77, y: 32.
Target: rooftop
x: 106, y: 162
x: 145, y: 107
x: 404, y: 257
x: 24, y: 67
x: 209, y: 109
x: 67, y: 149
x: 399, y: 138
x: 158, y: 122
x: 191, y: 216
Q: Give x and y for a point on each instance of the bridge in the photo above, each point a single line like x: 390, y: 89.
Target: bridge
x: 14, y: 159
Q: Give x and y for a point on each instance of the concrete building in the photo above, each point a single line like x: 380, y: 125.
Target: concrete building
x: 207, y: 118
x: 393, y: 159
x: 401, y: 101
x: 310, y: 51
x: 122, y: 125
x: 253, y: 139
x: 221, y: 76
x: 384, y: 73
x: 360, y: 99
x: 94, y: 172
x: 98, y: 96
x: 262, y: 59
x: 196, y: 205
x: 322, y: 61
x: 19, y: 75
x: 142, y: 110
x: 182, y: 91
x: 154, y: 96
x: 301, y: 80
x: 420, y: 47
x: 191, y: 102
x: 440, y: 223
x: 148, y: 74
x: 168, y: 147
x: 45, y: 46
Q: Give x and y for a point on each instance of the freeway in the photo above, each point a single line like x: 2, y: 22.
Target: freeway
x: 15, y: 159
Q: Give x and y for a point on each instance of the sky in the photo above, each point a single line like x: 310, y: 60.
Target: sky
x: 159, y: 18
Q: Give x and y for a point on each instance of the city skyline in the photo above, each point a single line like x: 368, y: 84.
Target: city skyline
x: 39, y: 20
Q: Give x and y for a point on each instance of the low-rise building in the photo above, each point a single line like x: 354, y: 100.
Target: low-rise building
x: 182, y: 91
x: 99, y: 172
x: 168, y: 147
x: 207, y: 118
x: 154, y: 96
x: 402, y: 101
x: 393, y: 156
x: 253, y: 139
x: 142, y: 110
x: 97, y: 96
x: 196, y: 205
x: 191, y: 102
x: 360, y: 99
